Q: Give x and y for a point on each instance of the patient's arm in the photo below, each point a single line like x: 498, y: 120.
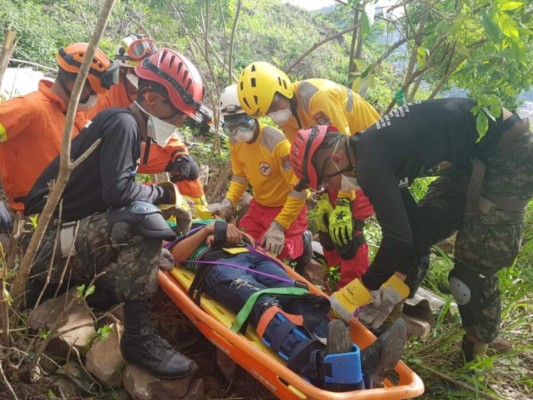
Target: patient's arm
x: 184, y: 248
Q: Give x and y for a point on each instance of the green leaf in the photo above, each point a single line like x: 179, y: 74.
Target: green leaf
x: 421, y: 56
x: 44, y: 333
x: 104, y: 332
x: 482, y: 125
x: 80, y: 290
x: 490, y: 26
x: 507, y: 25
x: 463, y: 50
x: 90, y: 291
x: 486, y: 111
x: 510, y: 5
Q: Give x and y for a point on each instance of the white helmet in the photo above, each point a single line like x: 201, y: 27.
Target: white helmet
x: 229, y: 101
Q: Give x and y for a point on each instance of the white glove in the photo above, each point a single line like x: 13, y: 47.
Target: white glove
x: 166, y: 260
x: 274, y: 238
x: 224, y: 210
x: 392, y: 292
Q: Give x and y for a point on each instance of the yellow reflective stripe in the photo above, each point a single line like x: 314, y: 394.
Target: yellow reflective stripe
x: 3, y: 133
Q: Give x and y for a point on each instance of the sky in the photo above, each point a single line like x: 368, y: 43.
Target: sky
x: 311, y: 4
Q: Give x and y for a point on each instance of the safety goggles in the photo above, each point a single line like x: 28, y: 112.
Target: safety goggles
x: 110, y: 77
x: 245, y: 122
x: 140, y: 48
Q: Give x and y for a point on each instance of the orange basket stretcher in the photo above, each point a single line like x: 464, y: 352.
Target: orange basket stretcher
x: 214, y: 321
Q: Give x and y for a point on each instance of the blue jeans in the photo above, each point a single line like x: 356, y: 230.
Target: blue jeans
x: 232, y: 286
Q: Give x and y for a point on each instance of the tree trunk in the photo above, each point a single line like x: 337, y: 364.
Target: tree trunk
x: 8, y: 47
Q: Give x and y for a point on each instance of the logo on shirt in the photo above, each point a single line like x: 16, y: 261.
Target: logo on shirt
x: 321, y: 118
x: 265, y: 169
x: 404, y: 182
x: 286, y: 163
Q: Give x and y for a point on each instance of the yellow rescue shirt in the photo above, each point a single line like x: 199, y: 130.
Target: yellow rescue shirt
x: 31, y: 130
x: 265, y: 165
x: 323, y: 102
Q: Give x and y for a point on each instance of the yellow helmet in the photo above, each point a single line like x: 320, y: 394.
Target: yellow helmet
x: 258, y: 83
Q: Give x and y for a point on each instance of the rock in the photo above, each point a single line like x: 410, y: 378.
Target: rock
x: 196, y: 390
x: 434, y: 300
x: 76, y: 329
x: 143, y: 386
x: 65, y: 388
x: 421, y: 311
x: 500, y: 345
x: 104, y: 359
x: 416, y: 327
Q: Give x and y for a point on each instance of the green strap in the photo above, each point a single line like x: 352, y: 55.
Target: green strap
x: 246, y: 310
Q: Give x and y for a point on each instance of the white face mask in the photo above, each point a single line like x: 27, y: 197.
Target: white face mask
x: 349, y: 184
x: 157, y: 129
x: 280, y: 117
x: 243, y: 135
x: 90, y: 103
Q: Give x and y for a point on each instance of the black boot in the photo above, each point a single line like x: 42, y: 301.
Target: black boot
x: 142, y: 346
x: 379, y: 359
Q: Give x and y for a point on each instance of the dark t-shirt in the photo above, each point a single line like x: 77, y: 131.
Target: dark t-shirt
x: 401, y: 146
x: 107, y: 177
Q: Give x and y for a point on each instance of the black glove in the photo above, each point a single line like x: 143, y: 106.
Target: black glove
x: 5, y: 218
x: 183, y: 168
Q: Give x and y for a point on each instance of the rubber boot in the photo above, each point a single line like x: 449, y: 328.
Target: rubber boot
x: 342, y: 361
x: 142, y: 346
x: 306, y: 266
x: 379, y: 359
x: 473, y: 349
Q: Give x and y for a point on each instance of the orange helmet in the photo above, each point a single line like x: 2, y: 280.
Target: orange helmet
x: 102, y: 73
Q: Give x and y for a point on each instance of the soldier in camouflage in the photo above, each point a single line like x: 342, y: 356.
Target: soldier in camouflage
x: 111, y: 227
x: 488, y: 238
x: 482, y: 196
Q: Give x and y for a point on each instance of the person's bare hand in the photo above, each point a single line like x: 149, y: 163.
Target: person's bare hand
x: 233, y: 234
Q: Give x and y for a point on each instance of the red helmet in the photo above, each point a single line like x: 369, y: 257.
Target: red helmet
x: 303, y: 151
x: 181, y: 79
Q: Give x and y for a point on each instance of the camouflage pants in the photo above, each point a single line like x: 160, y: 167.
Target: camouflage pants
x: 126, y: 264
x: 485, y: 243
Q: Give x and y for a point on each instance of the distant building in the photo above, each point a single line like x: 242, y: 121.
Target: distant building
x: 19, y: 81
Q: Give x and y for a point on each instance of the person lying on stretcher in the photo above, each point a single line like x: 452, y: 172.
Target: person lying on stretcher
x: 287, y: 318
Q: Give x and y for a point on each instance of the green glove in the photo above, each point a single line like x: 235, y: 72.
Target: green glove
x: 323, y: 210
x: 340, y: 222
